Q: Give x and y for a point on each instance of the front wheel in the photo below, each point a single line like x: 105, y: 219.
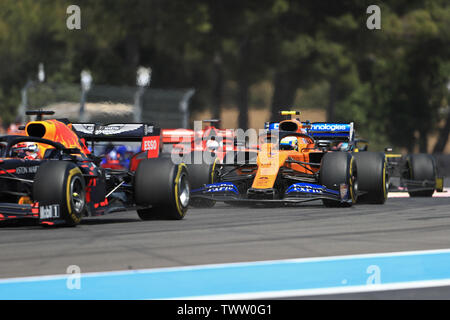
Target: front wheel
x: 61, y: 183
x: 199, y: 175
x: 339, y: 168
x: 162, y: 188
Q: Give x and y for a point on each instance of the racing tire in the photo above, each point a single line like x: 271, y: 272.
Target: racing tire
x: 421, y: 167
x: 199, y: 175
x: 373, y: 181
x: 163, y: 188
x: 61, y: 183
x: 339, y: 168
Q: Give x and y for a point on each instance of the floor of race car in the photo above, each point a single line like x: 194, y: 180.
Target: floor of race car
x: 226, y: 234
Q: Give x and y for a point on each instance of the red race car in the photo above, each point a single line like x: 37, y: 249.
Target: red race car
x: 201, y: 149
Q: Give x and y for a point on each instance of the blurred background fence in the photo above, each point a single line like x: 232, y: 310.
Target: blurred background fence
x: 168, y: 108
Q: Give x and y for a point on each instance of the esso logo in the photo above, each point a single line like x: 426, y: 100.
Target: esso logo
x: 151, y: 144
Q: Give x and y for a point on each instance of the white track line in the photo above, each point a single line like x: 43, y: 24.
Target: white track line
x: 230, y: 264
x: 324, y: 291
x: 444, y: 194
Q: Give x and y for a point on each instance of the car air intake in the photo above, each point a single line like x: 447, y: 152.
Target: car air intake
x: 36, y: 130
x: 288, y: 126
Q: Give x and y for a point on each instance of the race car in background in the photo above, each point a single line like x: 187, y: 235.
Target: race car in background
x: 117, y: 157
x: 287, y: 167
x: 183, y: 142
x: 416, y: 174
x: 201, y: 150
x: 65, y: 182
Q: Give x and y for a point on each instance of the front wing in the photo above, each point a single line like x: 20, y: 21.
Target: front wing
x: 45, y: 215
x: 295, y: 193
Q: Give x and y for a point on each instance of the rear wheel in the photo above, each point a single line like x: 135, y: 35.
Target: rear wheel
x: 164, y: 186
x: 373, y: 181
x: 61, y: 183
x: 199, y: 175
x: 339, y: 168
x: 422, y: 168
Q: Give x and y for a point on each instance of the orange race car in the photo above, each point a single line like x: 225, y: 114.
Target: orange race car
x: 288, y: 167
x: 372, y: 167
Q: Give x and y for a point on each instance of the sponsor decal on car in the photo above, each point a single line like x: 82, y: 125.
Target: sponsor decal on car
x: 151, y: 145
x: 112, y: 129
x: 309, y: 188
x: 148, y: 129
x: 221, y: 187
x: 330, y: 127
x: 298, y: 187
x: 50, y: 211
x: 25, y: 170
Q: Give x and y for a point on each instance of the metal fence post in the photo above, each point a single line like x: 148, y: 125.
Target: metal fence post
x: 143, y: 78
x: 86, y: 81
x: 184, y: 107
x: 24, y: 102
x: 137, y: 113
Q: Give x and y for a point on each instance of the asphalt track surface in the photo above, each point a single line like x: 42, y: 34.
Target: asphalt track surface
x: 121, y: 241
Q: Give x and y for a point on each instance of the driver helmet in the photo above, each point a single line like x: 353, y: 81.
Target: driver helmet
x: 113, y: 155
x: 289, y: 143
x: 26, y: 150
x: 212, y: 144
x: 342, y: 146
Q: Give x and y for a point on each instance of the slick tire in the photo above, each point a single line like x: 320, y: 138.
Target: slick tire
x: 339, y: 168
x: 61, y: 183
x: 421, y: 167
x: 163, y: 188
x: 199, y: 175
x: 373, y: 181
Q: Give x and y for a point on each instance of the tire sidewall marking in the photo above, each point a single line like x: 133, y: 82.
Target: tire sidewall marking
x: 176, y: 189
x: 72, y: 172
x: 384, y: 179
x: 213, y: 170
x: 351, y: 181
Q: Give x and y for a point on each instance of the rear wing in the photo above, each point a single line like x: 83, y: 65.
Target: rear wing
x: 322, y: 130
x: 115, y: 132
x: 332, y: 131
x: 174, y: 136
x: 269, y: 126
x: 147, y: 134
